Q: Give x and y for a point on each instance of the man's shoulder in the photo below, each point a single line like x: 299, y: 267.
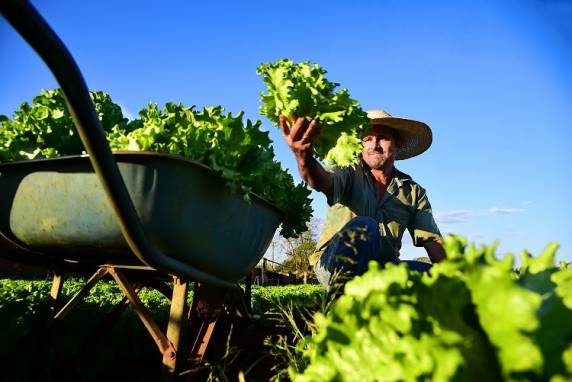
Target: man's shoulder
x: 401, y: 175
x: 404, y: 178
x: 408, y: 191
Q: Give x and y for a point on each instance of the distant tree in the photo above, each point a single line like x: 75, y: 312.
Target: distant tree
x: 298, y: 254
x: 299, y: 250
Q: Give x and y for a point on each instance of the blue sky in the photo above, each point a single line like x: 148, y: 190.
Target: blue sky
x: 492, y: 79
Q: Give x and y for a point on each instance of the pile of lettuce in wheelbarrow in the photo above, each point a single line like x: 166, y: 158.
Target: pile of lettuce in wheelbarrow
x: 239, y: 151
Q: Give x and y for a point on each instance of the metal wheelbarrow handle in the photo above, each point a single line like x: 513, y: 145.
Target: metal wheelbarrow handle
x: 35, y: 30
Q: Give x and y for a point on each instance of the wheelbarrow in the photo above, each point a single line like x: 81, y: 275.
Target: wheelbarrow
x: 142, y: 218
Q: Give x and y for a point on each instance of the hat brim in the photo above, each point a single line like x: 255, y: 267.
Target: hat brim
x: 416, y: 137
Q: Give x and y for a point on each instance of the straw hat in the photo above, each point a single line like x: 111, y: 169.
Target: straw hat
x: 415, y: 136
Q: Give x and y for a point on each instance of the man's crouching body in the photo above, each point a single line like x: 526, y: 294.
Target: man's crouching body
x: 371, y: 203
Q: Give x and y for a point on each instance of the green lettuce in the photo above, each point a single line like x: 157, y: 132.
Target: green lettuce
x: 472, y: 318
x: 44, y: 129
x: 240, y: 152
x: 301, y: 89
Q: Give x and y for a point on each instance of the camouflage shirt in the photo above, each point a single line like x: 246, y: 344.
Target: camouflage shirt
x: 403, y: 205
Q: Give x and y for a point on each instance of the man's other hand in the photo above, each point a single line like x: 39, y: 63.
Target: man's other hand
x: 435, y: 251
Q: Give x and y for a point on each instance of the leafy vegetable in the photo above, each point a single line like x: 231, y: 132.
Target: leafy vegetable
x: 472, y: 318
x: 44, y: 129
x: 241, y: 153
x: 302, y: 90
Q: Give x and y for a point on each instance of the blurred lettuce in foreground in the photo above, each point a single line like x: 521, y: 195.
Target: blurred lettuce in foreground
x: 472, y: 318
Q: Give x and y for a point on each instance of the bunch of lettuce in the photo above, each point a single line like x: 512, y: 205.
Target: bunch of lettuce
x: 45, y: 129
x: 241, y: 153
x: 472, y: 318
x: 300, y: 89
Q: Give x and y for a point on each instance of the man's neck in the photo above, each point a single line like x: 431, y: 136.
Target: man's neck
x: 382, y: 176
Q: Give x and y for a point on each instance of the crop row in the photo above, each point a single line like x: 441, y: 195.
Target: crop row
x: 125, y: 347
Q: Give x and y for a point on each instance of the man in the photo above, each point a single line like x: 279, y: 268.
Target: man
x: 371, y: 203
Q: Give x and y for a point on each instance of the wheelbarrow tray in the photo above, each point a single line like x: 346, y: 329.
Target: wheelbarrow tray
x: 58, y: 208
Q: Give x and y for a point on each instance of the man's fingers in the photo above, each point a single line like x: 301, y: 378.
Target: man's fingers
x: 284, y: 125
x: 298, y: 128
x: 312, y: 133
x: 300, y: 133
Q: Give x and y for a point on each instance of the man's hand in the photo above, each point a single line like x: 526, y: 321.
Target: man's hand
x: 435, y: 251
x: 301, y: 137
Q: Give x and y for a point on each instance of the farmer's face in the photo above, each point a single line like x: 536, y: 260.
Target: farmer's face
x: 379, y: 147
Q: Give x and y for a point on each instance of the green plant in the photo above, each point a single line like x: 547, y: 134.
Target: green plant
x: 472, y: 318
x: 293, y: 321
x: 44, y: 129
x: 301, y: 89
x: 23, y: 314
x: 220, y: 369
x: 265, y: 299
x: 240, y: 152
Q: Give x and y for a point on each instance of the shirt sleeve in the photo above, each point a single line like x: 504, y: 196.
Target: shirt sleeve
x: 423, y: 227
x: 343, y: 180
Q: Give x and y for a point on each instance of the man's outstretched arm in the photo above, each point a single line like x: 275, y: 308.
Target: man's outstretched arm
x: 301, y: 137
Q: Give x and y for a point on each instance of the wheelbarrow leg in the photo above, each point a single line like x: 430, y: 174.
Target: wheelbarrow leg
x: 178, y: 303
x: 248, y: 292
x: 164, y: 345
x: 81, y: 294
x: 205, y: 310
x: 55, y: 293
x: 213, y: 306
